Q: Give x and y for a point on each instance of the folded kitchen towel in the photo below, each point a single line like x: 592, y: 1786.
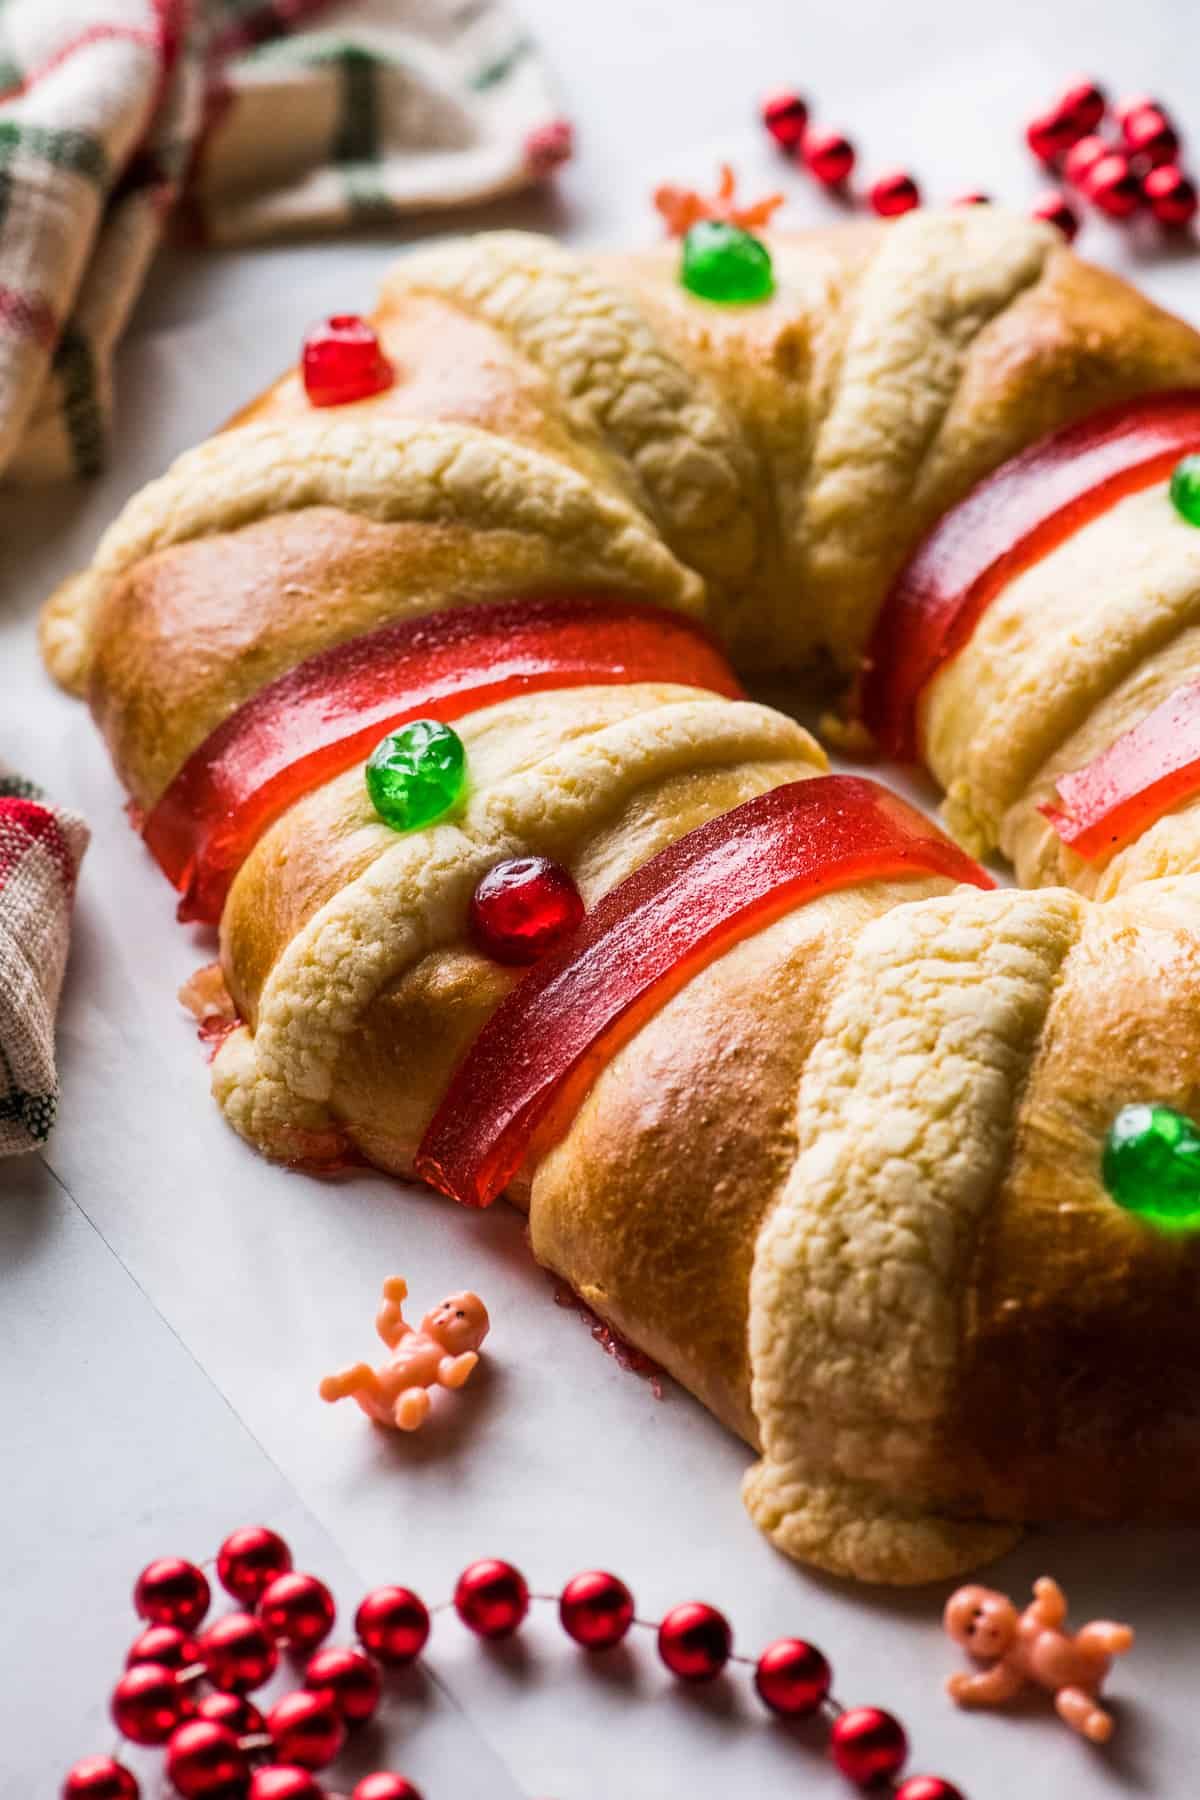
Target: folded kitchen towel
x: 40, y: 850
x: 239, y: 119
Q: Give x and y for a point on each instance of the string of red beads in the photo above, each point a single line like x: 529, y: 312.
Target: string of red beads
x: 219, y: 1746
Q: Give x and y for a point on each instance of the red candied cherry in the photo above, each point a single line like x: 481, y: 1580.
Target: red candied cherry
x: 1171, y: 195
x: 1084, y: 104
x: 148, y: 1703
x: 828, y: 157
x: 238, y: 1653
x: 393, y: 1624
x: 867, y: 1745
x: 1149, y: 134
x: 524, y: 907
x: 491, y: 1598
x: 695, y: 1641
x: 205, y: 1762
x: 385, y: 1787
x: 249, y: 1560
x: 343, y: 360
x: 101, y: 1778
x: 350, y: 1679
x: 306, y: 1729
x: 297, y: 1610
x: 235, y: 1711
x: 792, y: 1678
x: 785, y: 115
x: 1053, y: 208
x: 1083, y: 157
x: 1112, y: 187
x: 927, y: 1787
x: 171, y: 1591
x: 164, y: 1644
x: 596, y: 1609
x: 279, y: 1781
x: 893, y: 194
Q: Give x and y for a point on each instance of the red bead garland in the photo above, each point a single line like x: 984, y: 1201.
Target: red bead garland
x: 249, y: 1561
x: 206, y: 1762
x: 1171, y: 195
x: 171, y: 1591
x: 100, y: 1778
x: 491, y: 1598
x: 596, y: 1609
x: 297, y: 1610
x: 1149, y: 134
x: 1083, y: 157
x: 213, y: 1739
x: 148, y: 1703
x: 306, y: 1728
x: 893, y: 194
x: 164, y: 1644
x: 1083, y: 104
x: 524, y: 907
x: 343, y: 361
x: 828, y: 157
x: 792, y: 1678
x: 868, y: 1745
x: 785, y: 116
x: 393, y: 1624
x: 348, y: 1678
x: 695, y: 1641
x: 238, y: 1653
x: 1112, y: 187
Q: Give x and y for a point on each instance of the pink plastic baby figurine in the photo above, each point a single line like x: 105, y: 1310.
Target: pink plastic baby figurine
x: 1033, y: 1647
x: 442, y: 1353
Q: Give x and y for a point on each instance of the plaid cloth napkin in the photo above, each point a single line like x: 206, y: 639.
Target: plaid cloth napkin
x: 40, y: 851
x: 243, y: 119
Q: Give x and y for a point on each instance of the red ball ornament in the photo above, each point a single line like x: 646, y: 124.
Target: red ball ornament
x: 1134, y: 103
x: 238, y: 1653
x: 385, y: 1787
x: 1149, y: 134
x: 695, y: 1641
x: 172, y: 1592
x: 249, y: 1560
x: 297, y: 1610
x: 279, y: 1782
x: 524, y: 907
x: 927, y: 1787
x: 240, y: 1715
x: 1112, y: 187
x: 1053, y: 208
x: 1171, y: 195
x: 491, y: 1598
x: 148, y: 1703
x: 1050, y: 136
x: 348, y: 1678
x: 100, y: 1778
x: 972, y: 197
x: 204, y: 1762
x: 1083, y: 157
x: 1083, y: 103
x: 828, y: 157
x: 166, y: 1645
x: 868, y: 1745
x: 343, y: 361
x: 305, y: 1728
x: 792, y: 1678
x: 785, y: 116
x: 596, y: 1609
x: 393, y: 1624
x: 893, y: 194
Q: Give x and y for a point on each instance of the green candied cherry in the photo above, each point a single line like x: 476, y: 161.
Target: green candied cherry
x: 1151, y: 1165
x: 725, y: 263
x: 1185, y: 489
x: 416, y: 774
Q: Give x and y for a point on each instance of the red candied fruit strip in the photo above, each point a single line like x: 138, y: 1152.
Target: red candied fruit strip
x: 1009, y: 521
x: 1141, y: 776
x: 544, y: 1046
x: 331, y: 710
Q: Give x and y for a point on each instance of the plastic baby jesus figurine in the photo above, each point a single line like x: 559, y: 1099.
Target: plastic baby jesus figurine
x: 441, y: 1353
x: 1033, y: 1647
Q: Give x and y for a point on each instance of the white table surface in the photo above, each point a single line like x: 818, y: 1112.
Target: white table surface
x: 167, y: 1301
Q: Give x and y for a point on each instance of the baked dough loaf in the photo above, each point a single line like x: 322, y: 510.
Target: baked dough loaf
x: 845, y: 1183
